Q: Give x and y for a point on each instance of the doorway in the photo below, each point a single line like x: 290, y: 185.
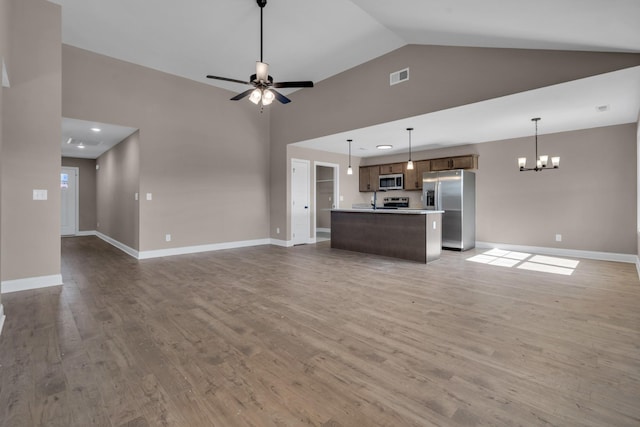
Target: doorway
x: 326, y: 195
x: 300, y: 185
x: 69, y: 201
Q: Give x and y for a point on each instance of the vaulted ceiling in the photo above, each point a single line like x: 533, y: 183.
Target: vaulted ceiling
x: 314, y: 40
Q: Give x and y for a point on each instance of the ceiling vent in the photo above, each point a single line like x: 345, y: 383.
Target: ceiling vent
x: 398, y: 77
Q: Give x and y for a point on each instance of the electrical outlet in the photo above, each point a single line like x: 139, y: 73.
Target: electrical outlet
x: 277, y: 230
x: 135, y: 196
x: 558, y: 237
x: 167, y: 237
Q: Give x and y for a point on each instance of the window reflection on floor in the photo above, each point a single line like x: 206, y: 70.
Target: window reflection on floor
x: 526, y: 261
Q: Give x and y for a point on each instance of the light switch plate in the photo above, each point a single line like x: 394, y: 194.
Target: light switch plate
x: 136, y: 196
x: 39, y: 194
x: 149, y: 196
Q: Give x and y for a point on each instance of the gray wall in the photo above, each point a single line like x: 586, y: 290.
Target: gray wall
x: 117, y: 182
x: 31, y: 142
x: 86, y: 191
x: 441, y: 77
x: 4, y: 51
x: 590, y: 199
x: 204, y: 158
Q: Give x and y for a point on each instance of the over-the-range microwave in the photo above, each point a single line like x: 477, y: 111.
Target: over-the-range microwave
x: 391, y: 182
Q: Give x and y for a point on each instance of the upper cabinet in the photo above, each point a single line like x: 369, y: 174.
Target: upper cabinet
x: 369, y: 178
x: 392, y: 168
x: 413, y: 177
x: 459, y: 162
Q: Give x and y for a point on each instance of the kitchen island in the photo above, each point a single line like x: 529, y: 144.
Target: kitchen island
x: 411, y: 234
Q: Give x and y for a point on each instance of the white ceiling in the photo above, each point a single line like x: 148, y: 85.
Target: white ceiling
x: 314, y: 40
x: 93, y: 143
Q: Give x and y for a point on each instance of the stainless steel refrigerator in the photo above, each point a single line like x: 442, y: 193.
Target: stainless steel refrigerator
x: 453, y: 192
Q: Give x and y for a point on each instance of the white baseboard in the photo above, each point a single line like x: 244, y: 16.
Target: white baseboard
x: 87, y: 233
x: 201, y: 248
x: 124, y: 248
x: 2, y: 317
x: 638, y: 265
x: 572, y: 253
x: 30, y: 283
x: 282, y: 243
x: 323, y: 230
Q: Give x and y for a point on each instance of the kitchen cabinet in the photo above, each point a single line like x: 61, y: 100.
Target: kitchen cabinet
x: 369, y: 178
x: 413, y: 177
x: 391, y: 168
x: 459, y: 162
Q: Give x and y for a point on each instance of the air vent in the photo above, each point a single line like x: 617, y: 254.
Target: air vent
x: 602, y: 108
x: 398, y: 77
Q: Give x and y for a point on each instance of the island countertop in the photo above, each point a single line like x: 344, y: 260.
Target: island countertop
x: 390, y: 211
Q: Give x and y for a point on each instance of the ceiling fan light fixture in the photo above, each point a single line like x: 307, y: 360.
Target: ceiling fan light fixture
x: 267, y: 97
x: 256, y: 96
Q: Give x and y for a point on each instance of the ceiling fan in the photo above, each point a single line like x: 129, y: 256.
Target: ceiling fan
x: 263, y: 85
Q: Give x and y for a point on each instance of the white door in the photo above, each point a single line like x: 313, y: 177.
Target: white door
x: 69, y: 201
x: 300, y: 218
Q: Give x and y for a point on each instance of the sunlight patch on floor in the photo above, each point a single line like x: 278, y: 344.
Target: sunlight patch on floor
x: 526, y: 261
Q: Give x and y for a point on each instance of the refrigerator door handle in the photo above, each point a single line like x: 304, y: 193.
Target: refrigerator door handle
x: 438, y: 196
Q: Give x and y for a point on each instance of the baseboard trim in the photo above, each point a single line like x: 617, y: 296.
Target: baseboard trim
x: 29, y: 283
x: 87, y: 233
x: 113, y: 242
x: 573, y: 253
x: 282, y: 243
x: 2, y: 317
x: 323, y: 230
x: 638, y: 265
x: 184, y: 250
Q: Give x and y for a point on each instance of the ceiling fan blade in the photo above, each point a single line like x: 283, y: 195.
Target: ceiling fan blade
x: 293, y: 84
x: 228, y: 79
x: 262, y: 71
x: 280, y: 97
x: 242, y: 95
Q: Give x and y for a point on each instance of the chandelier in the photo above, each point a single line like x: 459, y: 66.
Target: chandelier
x: 542, y: 162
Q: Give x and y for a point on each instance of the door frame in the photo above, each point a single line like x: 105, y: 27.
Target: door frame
x: 77, y: 199
x: 336, y: 190
x: 308, y: 188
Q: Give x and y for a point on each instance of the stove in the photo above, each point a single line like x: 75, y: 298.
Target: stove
x: 395, y: 202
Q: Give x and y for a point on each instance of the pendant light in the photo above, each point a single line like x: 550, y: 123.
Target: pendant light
x: 349, y: 170
x: 409, y: 163
x: 542, y: 161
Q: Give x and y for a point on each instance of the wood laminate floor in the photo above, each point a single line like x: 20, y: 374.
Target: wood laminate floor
x: 310, y: 336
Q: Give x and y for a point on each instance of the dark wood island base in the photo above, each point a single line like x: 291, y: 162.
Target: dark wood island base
x: 414, y: 235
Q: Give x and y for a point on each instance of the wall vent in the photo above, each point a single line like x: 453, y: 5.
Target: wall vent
x: 398, y: 77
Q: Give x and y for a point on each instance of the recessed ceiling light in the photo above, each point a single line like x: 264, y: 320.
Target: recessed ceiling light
x: 96, y: 129
x: 69, y: 140
x: 384, y: 147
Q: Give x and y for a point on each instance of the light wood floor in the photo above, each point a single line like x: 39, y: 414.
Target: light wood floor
x: 268, y: 336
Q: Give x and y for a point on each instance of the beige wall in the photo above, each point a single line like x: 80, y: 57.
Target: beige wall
x: 86, y: 191
x: 590, y: 199
x: 204, y: 158
x: 31, y: 142
x: 638, y: 189
x: 4, y: 50
x: 441, y: 77
x: 117, y: 182
x: 347, y: 184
